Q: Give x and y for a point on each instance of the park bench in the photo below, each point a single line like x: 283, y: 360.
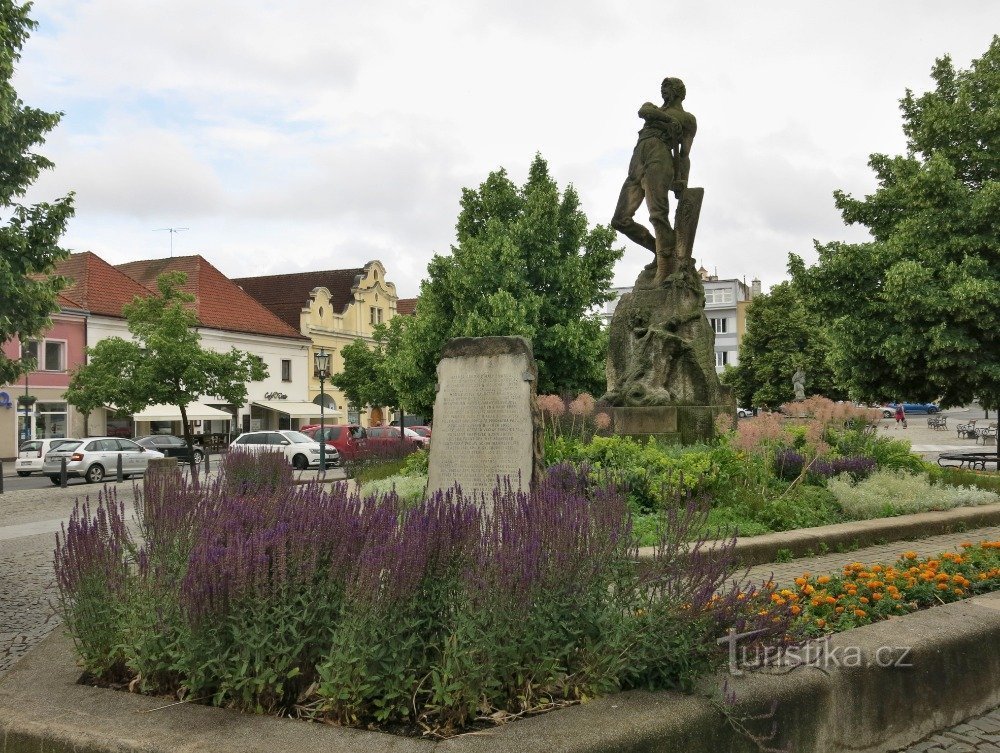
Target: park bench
x: 986, y: 433
x: 967, y: 430
x: 975, y: 461
x: 937, y: 422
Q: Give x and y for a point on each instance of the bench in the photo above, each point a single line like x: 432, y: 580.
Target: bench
x: 967, y: 430
x: 937, y: 422
x: 986, y: 433
x: 974, y: 461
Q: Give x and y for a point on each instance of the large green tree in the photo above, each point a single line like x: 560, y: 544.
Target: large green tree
x: 164, y: 363
x: 367, y: 377
x: 527, y: 264
x: 915, y: 312
x: 29, y: 240
x: 781, y: 335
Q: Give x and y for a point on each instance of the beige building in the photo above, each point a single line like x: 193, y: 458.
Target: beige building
x: 332, y: 308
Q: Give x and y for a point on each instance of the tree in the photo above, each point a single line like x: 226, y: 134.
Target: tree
x: 525, y: 264
x: 164, y: 364
x: 29, y: 241
x: 781, y: 334
x: 366, y: 378
x: 915, y: 313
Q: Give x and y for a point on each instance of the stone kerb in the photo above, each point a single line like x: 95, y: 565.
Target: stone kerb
x: 486, y: 418
x: 905, y: 678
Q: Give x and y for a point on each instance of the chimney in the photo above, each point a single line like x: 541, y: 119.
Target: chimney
x: 754, y: 288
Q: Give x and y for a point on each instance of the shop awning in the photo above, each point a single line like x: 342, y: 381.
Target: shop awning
x: 195, y: 412
x: 294, y: 408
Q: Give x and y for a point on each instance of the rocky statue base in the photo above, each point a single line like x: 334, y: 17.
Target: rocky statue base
x: 661, y: 360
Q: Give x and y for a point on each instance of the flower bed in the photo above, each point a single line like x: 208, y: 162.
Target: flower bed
x: 863, y: 594
x: 431, y: 619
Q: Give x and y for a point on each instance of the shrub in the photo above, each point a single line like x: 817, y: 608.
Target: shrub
x: 887, y: 493
x: 409, y: 489
x: 963, y: 477
x: 580, y: 417
x: 319, y: 603
x: 789, y: 465
x: 417, y: 463
x: 248, y: 472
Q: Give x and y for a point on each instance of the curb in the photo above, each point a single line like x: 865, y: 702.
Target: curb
x: 954, y: 657
x: 761, y: 550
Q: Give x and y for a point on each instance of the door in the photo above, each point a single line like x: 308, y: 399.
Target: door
x: 134, y: 460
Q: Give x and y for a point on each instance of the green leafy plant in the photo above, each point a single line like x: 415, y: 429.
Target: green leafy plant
x: 887, y: 493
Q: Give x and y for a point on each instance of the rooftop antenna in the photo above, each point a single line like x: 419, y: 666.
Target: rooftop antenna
x: 173, y: 231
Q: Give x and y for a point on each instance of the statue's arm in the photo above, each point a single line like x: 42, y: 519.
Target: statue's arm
x: 683, y: 161
x: 649, y: 111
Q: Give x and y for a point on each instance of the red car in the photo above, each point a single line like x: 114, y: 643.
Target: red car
x: 349, y: 439
x: 383, y: 436
x: 424, y: 431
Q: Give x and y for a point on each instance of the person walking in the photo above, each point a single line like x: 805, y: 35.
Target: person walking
x: 900, y: 416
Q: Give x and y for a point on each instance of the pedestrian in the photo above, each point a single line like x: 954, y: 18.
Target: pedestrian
x: 900, y: 415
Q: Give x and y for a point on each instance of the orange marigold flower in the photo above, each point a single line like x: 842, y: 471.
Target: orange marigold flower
x: 823, y: 579
x: 909, y: 555
x: 877, y: 597
x: 860, y: 613
x: 796, y: 608
x: 863, y: 599
x: 839, y: 610
x: 821, y: 623
x: 830, y: 600
x: 942, y: 586
x: 959, y: 591
x: 800, y: 581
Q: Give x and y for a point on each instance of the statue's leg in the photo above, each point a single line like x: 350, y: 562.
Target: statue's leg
x: 623, y: 221
x: 658, y: 176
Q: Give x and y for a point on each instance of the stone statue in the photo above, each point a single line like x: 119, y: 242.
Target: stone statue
x: 799, y: 383
x: 660, y: 164
x: 661, y: 355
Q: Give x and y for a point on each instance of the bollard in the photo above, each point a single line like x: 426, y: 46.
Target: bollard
x: 118, y: 469
x: 62, y: 473
x: 207, y: 467
x: 1, y: 477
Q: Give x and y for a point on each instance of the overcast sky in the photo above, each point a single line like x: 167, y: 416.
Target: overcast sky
x: 310, y: 134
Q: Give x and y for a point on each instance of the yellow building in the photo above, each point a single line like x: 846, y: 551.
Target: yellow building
x: 332, y: 308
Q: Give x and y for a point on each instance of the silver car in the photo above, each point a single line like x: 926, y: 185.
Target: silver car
x: 97, y: 457
x: 31, y: 454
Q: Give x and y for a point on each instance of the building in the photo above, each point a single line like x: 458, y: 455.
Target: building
x: 230, y: 318
x: 331, y: 308
x: 725, y: 309
x: 60, y: 350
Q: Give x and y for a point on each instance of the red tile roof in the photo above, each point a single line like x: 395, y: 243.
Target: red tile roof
x: 97, y: 286
x: 287, y: 295
x: 406, y: 306
x: 219, y: 302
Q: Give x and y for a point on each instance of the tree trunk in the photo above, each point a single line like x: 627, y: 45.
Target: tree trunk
x: 190, y: 445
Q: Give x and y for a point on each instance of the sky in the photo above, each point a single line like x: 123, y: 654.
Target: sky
x: 320, y: 134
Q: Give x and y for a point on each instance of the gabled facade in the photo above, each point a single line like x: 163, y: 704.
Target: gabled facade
x: 57, y: 352
x: 332, y: 308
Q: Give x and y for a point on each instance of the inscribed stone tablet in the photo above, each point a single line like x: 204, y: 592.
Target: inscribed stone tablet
x: 486, y: 422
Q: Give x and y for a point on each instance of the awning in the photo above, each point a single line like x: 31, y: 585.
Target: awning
x: 294, y: 408
x: 195, y: 412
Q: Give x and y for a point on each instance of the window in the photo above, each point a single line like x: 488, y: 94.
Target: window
x: 30, y: 350
x: 286, y: 370
x: 719, y: 295
x: 719, y: 326
x: 721, y: 357
x: 375, y: 315
x: 55, y: 351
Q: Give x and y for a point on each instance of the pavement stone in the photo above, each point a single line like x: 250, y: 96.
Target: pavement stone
x: 971, y: 736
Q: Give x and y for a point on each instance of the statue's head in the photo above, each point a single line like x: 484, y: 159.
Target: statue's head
x: 673, y: 90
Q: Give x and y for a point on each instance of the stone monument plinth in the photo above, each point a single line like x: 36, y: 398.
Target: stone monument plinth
x: 487, y: 423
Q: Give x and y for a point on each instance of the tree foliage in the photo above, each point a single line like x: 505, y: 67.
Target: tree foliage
x: 164, y: 364
x: 29, y: 240
x: 781, y: 334
x: 367, y: 378
x: 525, y: 264
x: 915, y: 312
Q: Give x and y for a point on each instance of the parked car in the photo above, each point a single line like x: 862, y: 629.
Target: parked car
x: 31, y: 454
x: 889, y: 409
x: 744, y: 412
x: 424, y: 431
x: 171, y: 447
x: 410, y: 421
x: 381, y: 436
x: 97, y: 457
x: 301, y: 450
x: 349, y: 439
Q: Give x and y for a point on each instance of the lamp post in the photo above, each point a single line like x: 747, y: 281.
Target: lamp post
x: 321, y: 368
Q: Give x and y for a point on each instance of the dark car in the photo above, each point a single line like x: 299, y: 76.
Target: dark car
x: 349, y: 439
x: 171, y: 447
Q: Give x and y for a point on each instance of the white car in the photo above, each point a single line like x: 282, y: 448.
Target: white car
x: 744, y: 412
x: 97, y: 457
x: 31, y: 454
x: 301, y: 451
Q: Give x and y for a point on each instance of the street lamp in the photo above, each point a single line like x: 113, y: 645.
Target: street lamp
x: 321, y: 368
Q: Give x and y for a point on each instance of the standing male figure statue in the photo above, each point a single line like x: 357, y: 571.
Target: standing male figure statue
x: 660, y: 163
x: 799, y: 383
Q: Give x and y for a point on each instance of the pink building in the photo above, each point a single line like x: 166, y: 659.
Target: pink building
x: 58, y: 351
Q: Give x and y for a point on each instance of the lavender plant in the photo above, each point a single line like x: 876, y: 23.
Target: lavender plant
x: 315, y: 602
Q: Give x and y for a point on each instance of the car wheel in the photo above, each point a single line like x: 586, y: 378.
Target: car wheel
x: 198, y: 457
x: 887, y: 414
x: 300, y: 462
x: 95, y: 474
x: 22, y: 474
x: 54, y: 479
